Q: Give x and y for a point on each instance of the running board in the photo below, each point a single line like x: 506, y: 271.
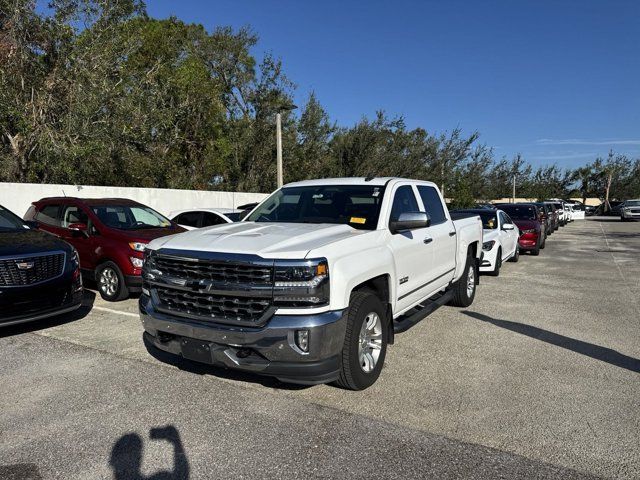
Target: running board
x: 405, y: 322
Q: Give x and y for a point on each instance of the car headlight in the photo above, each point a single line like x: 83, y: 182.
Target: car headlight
x: 486, y: 246
x: 138, y: 246
x: 136, y: 262
x: 301, y: 283
x: 74, y: 260
x: 532, y: 230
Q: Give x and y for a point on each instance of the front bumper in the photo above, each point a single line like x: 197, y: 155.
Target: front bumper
x: 268, y: 350
x: 630, y: 215
x: 529, y: 241
x: 489, y: 258
x: 28, y: 304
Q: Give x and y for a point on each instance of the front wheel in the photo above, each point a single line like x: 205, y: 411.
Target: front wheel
x: 516, y: 255
x: 464, y: 289
x: 111, y: 282
x: 496, y: 269
x: 365, y: 342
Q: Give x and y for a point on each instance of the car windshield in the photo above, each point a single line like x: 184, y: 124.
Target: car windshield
x: 489, y: 220
x: 10, y: 222
x: 632, y: 203
x: 520, y: 212
x: 355, y: 205
x: 130, y: 217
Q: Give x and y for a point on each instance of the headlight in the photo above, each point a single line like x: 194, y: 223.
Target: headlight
x: 74, y: 260
x: 138, y: 246
x: 532, y: 230
x: 486, y: 246
x: 301, y: 283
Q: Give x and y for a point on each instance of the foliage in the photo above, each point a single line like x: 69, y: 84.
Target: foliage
x: 97, y: 92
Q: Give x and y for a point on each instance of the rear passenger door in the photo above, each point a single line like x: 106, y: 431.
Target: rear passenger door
x: 443, y: 236
x: 48, y: 218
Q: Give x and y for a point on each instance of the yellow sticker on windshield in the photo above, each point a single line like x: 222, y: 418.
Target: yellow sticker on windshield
x: 357, y: 220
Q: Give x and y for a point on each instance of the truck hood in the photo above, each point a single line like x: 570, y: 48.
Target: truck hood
x: 267, y: 240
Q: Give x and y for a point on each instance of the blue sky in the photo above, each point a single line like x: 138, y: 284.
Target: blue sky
x: 558, y: 81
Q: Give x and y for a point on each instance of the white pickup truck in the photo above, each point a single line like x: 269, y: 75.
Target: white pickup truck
x: 313, y: 284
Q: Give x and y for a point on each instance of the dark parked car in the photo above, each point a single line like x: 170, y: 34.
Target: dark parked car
x: 526, y: 218
x: 554, y: 216
x: 110, y: 236
x: 39, y: 273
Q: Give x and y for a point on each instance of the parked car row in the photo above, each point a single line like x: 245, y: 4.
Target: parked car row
x: 309, y: 286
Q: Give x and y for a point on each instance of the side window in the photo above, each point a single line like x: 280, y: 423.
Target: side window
x: 190, y: 219
x: 506, y: 219
x: 48, y: 215
x: 209, y: 219
x: 404, y: 201
x: 432, y: 204
x: 73, y: 214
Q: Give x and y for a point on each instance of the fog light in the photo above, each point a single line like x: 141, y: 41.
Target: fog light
x: 136, y: 262
x: 302, y: 340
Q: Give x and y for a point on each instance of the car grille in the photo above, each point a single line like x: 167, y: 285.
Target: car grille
x: 217, y: 308
x: 218, y: 271
x: 34, y: 302
x: 36, y: 269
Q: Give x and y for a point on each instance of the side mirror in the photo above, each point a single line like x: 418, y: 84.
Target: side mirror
x: 32, y: 224
x: 78, y: 228
x: 508, y: 226
x: 409, y: 221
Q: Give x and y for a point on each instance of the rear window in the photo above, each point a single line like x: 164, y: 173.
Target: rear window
x: 520, y: 212
x: 48, y: 214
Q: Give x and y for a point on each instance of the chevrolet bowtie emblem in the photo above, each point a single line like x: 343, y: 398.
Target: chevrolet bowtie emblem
x: 25, y: 265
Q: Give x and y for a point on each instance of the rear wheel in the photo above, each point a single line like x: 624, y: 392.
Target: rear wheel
x: 464, y: 290
x: 365, y: 342
x: 111, y: 282
x: 544, y: 243
x: 536, y: 251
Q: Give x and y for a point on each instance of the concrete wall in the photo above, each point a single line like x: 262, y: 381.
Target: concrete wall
x: 18, y: 196
x: 589, y: 200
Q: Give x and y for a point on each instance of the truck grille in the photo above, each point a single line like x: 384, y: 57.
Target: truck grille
x: 30, y: 270
x: 211, y: 307
x: 218, y: 271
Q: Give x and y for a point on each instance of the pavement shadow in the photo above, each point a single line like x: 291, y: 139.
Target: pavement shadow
x: 87, y: 304
x: 597, y: 352
x: 221, y: 372
x: 127, y: 453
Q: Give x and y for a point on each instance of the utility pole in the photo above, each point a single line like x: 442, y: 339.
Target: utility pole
x: 283, y: 108
x: 279, y: 146
x: 513, y: 195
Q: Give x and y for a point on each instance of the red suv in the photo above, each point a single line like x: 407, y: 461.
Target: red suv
x: 110, y: 235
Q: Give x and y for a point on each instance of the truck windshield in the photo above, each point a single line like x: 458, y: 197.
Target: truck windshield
x: 10, y: 222
x: 355, y: 205
x: 130, y: 217
x: 632, y: 203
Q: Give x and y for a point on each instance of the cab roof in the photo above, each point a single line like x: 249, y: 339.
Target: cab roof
x: 91, y: 201
x: 374, y: 181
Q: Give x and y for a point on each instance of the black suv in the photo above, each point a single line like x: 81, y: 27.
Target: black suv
x: 39, y: 273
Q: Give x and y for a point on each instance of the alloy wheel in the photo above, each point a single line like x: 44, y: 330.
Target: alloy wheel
x: 370, y: 342
x: 109, y: 281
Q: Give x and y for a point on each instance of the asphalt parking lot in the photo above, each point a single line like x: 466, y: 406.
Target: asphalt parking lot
x: 539, y: 378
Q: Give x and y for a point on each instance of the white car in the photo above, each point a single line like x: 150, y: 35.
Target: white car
x: 499, y: 239
x: 313, y: 285
x: 630, y: 210
x: 205, y: 217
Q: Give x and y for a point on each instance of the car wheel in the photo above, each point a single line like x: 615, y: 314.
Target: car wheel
x: 536, y: 251
x: 544, y: 243
x: 111, y: 282
x: 516, y: 255
x: 365, y: 342
x: 496, y: 269
x: 464, y: 290
x: 623, y: 219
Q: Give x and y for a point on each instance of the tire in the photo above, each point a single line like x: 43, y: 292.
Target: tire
x: 536, y: 251
x: 357, y: 369
x: 622, y: 219
x: 462, y: 297
x: 516, y: 255
x: 544, y: 243
x: 496, y: 270
x: 111, y: 282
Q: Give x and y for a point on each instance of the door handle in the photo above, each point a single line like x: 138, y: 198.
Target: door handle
x: 451, y: 234
x: 428, y: 240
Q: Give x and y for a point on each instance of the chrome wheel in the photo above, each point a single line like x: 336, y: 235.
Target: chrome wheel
x: 109, y: 281
x: 471, y: 281
x: 370, y: 342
